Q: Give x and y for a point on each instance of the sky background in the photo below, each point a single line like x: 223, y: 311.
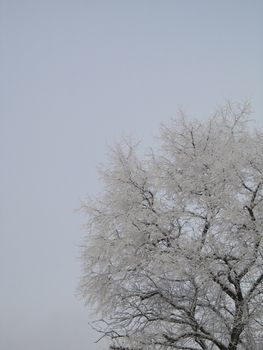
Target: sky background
x: 75, y: 76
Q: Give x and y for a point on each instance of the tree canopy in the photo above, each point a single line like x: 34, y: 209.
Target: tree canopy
x: 173, y: 254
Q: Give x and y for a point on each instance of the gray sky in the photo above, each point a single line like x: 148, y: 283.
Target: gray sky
x: 76, y: 76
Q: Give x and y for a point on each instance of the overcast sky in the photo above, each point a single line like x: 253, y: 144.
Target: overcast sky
x: 76, y: 76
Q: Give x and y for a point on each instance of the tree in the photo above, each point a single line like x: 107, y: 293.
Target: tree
x: 173, y: 256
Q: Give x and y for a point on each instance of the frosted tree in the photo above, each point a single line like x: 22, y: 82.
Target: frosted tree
x: 173, y: 255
